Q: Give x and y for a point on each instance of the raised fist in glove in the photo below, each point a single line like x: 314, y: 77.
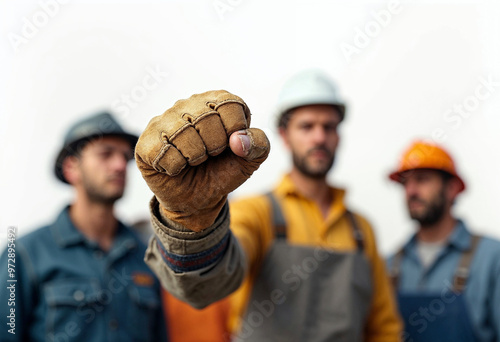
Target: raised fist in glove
x: 184, y: 157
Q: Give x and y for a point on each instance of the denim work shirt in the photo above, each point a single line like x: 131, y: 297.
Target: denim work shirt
x: 482, y: 292
x: 68, y: 289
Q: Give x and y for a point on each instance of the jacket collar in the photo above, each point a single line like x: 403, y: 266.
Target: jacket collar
x: 287, y: 188
x: 66, y: 234
x: 460, y: 238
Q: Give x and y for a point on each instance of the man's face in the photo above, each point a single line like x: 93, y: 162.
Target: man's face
x: 312, y: 137
x: 426, y: 195
x: 102, y: 168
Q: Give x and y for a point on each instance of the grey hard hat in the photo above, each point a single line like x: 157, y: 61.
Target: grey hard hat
x: 309, y: 87
x: 88, y: 129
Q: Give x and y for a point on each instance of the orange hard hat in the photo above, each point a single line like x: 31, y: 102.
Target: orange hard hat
x: 422, y: 155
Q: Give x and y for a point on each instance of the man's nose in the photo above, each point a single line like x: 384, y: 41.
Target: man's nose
x: 411, y: 188
x: 119, y: 162
x: 319, y: 135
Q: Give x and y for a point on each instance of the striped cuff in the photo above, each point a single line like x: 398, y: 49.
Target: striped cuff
x: 193, y: 262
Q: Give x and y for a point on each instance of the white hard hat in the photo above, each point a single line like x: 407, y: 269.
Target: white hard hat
x: 309, y: 87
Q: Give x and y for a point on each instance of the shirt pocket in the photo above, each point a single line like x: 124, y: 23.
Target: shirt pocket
x: 70, y: 304
x: 145, y: 316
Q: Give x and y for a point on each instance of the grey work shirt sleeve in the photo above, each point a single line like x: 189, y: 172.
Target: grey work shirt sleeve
x: 196, y: 267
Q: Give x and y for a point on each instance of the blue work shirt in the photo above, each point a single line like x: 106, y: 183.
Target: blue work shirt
x: 482, y: 292
x: 69, y: 289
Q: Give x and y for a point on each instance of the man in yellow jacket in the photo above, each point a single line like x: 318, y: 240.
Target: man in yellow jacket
x: 303, y: 266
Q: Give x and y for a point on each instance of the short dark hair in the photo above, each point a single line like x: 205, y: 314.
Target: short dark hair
x: 285, y: 118
x: 445, y: 175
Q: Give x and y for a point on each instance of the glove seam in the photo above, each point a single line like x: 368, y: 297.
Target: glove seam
x: 202, y: 116
x: 164, y: 149
x: 222, y: 102
x: 198, y: 158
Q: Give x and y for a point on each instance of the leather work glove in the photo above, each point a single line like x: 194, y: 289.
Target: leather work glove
x: 184, y: 157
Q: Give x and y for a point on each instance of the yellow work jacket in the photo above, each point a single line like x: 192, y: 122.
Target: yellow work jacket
x: 251, y: 223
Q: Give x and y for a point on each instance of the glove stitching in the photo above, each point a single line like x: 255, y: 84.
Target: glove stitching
x: 194, y: 119
x: 204, y: 116
x: 216, y: 151
x: 159, y: 156
x: 222, y: 102
x: 200, y: 157
x: 191, y: 123
x: 179, y: 131
x: 189, y: 160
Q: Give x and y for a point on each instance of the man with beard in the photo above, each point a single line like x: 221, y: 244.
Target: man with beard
x: 447, y: 277
x: 83, y: 278
x: 304, y: 267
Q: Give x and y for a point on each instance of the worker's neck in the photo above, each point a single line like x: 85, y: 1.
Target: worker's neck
x: 96, y: 221
x: 316, y: 189
x: 438, y: 231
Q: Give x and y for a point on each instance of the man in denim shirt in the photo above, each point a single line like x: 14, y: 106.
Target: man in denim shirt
x: 447, y: 277
x: 83, y: 278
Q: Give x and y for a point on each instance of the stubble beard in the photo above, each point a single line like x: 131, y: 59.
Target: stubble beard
x: 302, y: 164
x: 97, y: 193
x: 433, y: 212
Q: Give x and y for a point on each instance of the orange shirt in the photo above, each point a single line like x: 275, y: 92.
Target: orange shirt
x: 187, y: 324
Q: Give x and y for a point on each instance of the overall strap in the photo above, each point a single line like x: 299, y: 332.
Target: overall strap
x: 278, y: 220
x: 463, y: 270
x: 461, y: 274
x: 394, y: 272
x: 358, y: 237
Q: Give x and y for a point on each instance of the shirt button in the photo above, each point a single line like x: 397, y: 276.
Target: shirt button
x: 113, y: 324
x: 78, y: 295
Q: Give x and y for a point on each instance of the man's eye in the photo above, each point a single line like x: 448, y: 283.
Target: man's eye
x: 422, y: 179
x: 105, y: 154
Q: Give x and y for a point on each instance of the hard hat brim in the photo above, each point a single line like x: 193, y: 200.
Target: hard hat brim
x: 397, y: 176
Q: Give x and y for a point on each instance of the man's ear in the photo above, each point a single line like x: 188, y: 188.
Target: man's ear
x: 284, y: 136
x: 71, y: 169
x: 453, y: 188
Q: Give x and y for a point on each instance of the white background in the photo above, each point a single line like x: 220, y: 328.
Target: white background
x: 61, y: 60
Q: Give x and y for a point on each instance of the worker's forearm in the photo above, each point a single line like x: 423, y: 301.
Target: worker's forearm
x: 197, y: 267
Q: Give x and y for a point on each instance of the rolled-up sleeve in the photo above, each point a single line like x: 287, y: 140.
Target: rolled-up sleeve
x: 196, y: 267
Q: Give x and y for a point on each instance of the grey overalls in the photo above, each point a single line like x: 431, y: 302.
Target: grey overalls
x: 308, y: 294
